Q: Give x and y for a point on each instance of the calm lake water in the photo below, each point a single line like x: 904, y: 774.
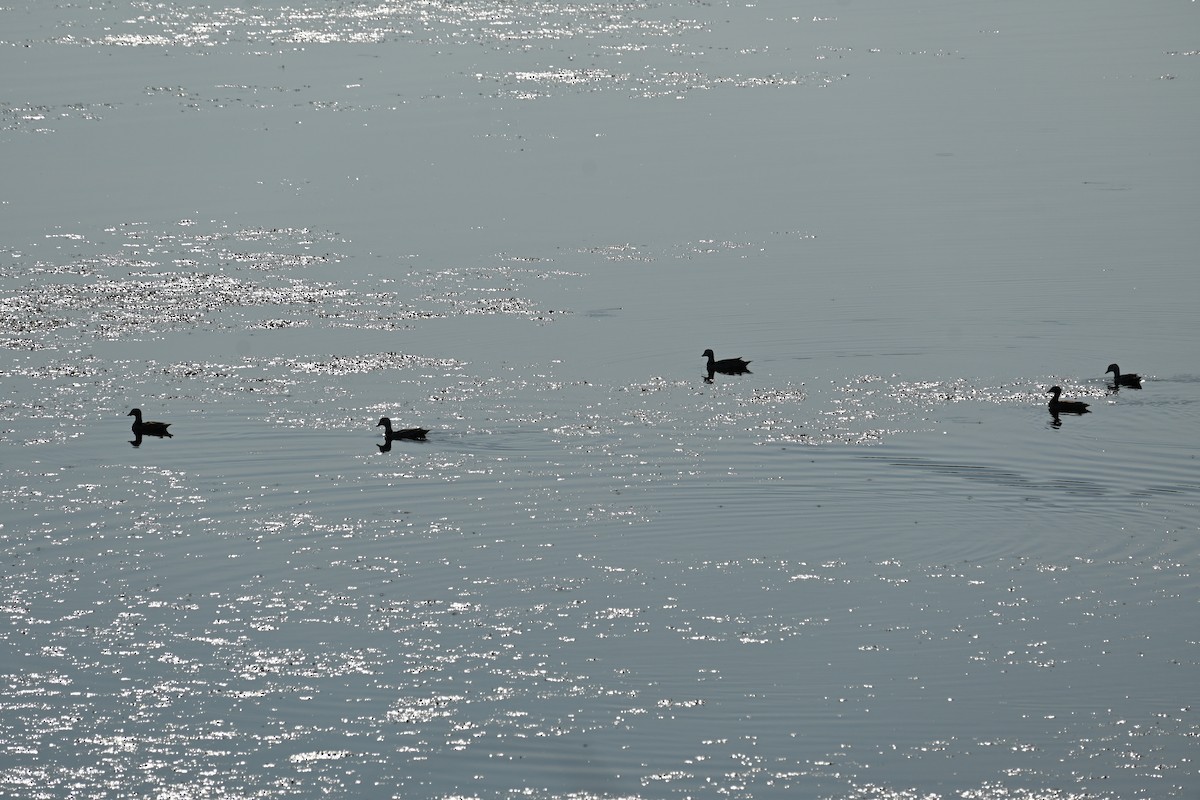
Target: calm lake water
x: 875, y: 566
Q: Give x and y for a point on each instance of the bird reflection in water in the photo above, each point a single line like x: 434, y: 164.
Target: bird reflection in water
x: 1130, y: 380
x: 726, y: 366
x: 142, y: 428
x: 389, y: 435
x: 1058, y: 406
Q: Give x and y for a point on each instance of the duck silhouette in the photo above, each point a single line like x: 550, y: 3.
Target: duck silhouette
x: 1128, y: 379
x: 404, y: 433
x: 726, y: 366
x: 1065, y: 406
x: 147, y: 427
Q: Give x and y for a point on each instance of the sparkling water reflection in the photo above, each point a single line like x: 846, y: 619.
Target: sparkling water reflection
x: 873, y: 567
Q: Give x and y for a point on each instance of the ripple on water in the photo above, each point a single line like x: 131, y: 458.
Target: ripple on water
x: 485, y: 629
x: 591, y: 581
x: 267, y: 591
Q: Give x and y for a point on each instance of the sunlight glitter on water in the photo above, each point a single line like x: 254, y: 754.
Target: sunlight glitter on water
x: 874, y: 566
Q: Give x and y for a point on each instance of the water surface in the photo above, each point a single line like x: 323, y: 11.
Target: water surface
x: 875, y: 566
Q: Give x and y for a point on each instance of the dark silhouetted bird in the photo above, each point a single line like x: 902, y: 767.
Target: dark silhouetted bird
x: 1129, y: 379
x: 729, y: 366
x: 403, y: 433
x: 1065, y: 406
x: 148, y: 428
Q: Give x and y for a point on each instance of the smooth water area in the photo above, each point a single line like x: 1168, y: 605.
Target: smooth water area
x: 875, y: 566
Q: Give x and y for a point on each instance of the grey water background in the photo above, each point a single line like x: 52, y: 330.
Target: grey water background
x: 875, y: 567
